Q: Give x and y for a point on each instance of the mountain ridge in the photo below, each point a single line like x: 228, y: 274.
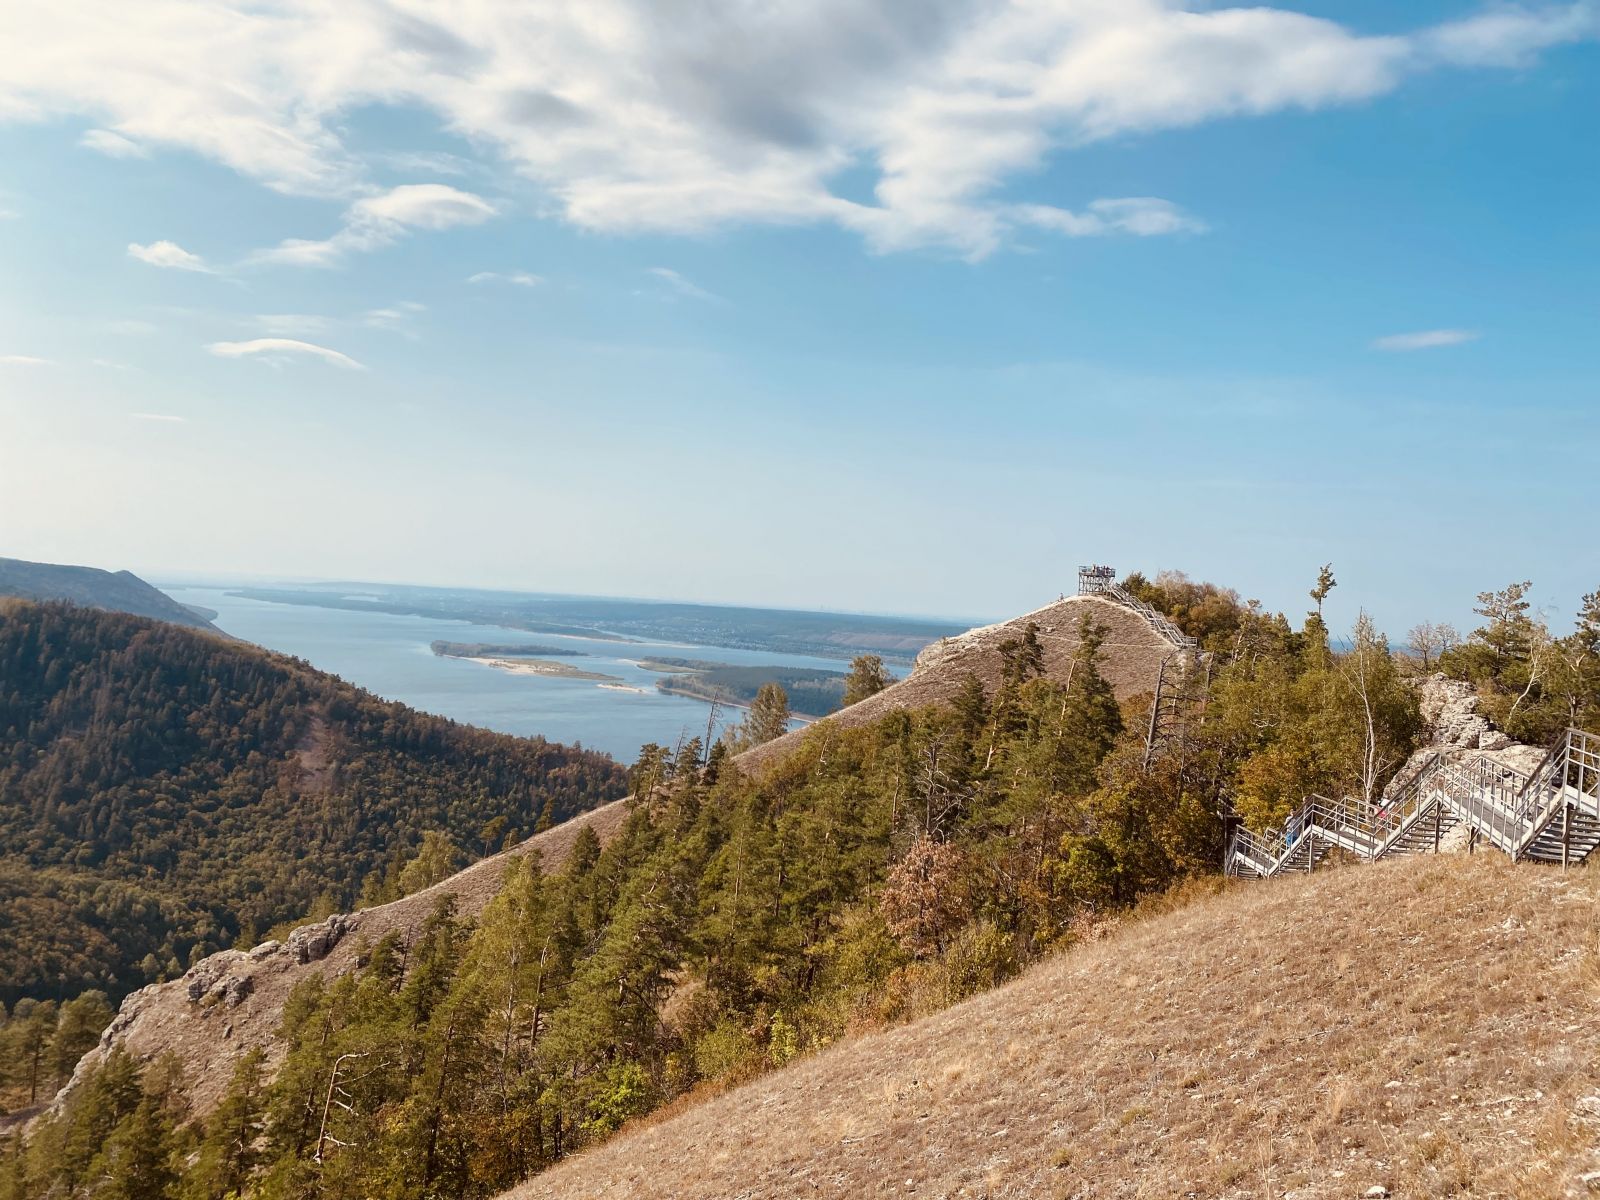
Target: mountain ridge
x: 93, y: 587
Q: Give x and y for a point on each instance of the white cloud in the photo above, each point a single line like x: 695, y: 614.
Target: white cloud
x: 113, y: 145
x: 630, y: 115
x: 680, y: 285
x: 380, y: 220
x: 9, y: 214
x: 277, y: 349
x: 167, y: 417
x: 23, y: 360
x: 1138, y: 216
x: 520, y: 278
x: 1427, y: 339
x: 1510, y: 36
x: 169, y: 255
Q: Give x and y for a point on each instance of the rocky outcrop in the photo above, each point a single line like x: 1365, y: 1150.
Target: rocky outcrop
x: 311, y: 943
x: 1450, y: 709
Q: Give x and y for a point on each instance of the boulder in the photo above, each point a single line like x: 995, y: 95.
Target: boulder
x: 235, y: 989
x: 206, y: 974
x: 311, y: 943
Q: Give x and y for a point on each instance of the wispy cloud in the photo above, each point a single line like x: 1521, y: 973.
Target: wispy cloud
x: 9, y: 214
x: 289, y: 324
x: 1426, y: 339
x: 23, y: 360
x: 165, y: 417
x: 169, y: 255
x: 275, y: 349
x: 395, y: 317
x: 520, y: 278
x: 1136, y: 216
x: 377, y: 221
x: 680, y: 285
x: 113, y: 145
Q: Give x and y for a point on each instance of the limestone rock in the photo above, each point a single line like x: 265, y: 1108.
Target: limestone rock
x: 1450, y: 709
x: 207, y: 974
x: 265, y: 950
x: 235, y: 989
x: 1493, y: 739
x: 310, y: 943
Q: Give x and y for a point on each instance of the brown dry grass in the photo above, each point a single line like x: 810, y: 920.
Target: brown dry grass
x: 1130, y: 659
x: 209, y: 1039
x: 1429, y: 1025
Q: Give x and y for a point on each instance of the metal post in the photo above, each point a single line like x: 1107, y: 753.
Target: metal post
x: 1438, y: 816
x: 1566, y: 834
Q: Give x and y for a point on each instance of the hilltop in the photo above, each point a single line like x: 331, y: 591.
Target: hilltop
x: 164, y: 793
x: 1130, y: 660
x: 1424, y: 1026
x: 91, y: 587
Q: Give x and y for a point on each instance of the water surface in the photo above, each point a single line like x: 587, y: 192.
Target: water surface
x: 390, y: 655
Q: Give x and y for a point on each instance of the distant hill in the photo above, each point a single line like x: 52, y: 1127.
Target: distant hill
x: 163, y: 792
x: 110, y: 591
x: 1366, y: 1032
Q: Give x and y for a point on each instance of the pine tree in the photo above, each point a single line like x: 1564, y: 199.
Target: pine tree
x: 1091, y: 717
x: 229, y: 1152
x: 769, y: 714
x: 78, y: 1031
x: 136, y: 1163
x: 867, y: 678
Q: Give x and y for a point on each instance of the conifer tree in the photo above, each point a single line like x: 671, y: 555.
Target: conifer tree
x: 867, y: 678
x: 229, y: 1152
x: 137, y: 1161
x: 769, y: 714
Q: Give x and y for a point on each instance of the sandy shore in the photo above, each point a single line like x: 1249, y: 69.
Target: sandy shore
x: 540, y: 666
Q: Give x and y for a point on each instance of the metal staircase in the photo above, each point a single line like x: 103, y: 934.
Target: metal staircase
x: 1549, y: 815
x: 1098, y: 580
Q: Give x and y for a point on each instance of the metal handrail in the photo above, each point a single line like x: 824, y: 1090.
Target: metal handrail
x: 1511, y: 808
x: 1149, y: 612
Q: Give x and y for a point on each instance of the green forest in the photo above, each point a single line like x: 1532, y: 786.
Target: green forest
x: 735, y: 924
x: 165, y: 794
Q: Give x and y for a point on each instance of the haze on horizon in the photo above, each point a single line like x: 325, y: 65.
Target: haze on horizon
x: 840, y: 308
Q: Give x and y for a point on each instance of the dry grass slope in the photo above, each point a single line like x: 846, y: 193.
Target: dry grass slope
x: 210, y: 1038
x: 1130, y: 659
x: 1428, y: 1025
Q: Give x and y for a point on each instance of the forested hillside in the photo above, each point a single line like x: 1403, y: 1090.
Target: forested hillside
x: 164, y: 794
x: 736, y: 920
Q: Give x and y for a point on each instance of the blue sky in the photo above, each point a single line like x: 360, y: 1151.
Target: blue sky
x: 858, y: 305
